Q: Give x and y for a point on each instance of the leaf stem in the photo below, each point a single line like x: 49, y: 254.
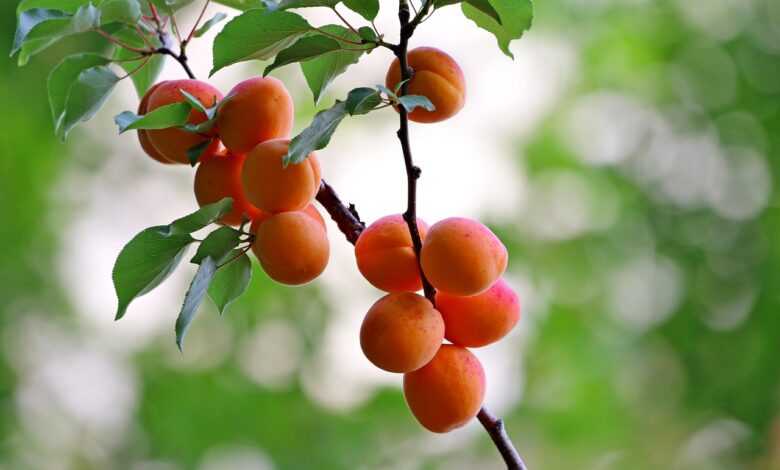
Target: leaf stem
x: 197, y: 22
x: 119, y: 43
x: 338, y: 38
x: 140, y: 66
x: 344, y: 20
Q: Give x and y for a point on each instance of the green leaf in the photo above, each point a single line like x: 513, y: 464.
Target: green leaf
x: 368, y: 9
x: 64, y: 75
x: 410, y: 102
x: 321, y: 71
x: 209, y: 24
x: 30, y: 19
x: 146, y: 76
x: 195, y: 152
x: 257, y: 34
x: 241, y: 5
x: 171, y: 115
x: 217, y: 245
x: 304, y: 49
x: 120, y: 11
x: 196, y: 104
x: 289, y: 4
x: 204, y: 216
x: 194, y: 297
x: 317, y: 135
x: 145, y: 262
x: 45, y: 33
x: 67, y: 6
x: 516, y: 17
x: 362, y: 101
x: 230, y: 281
x: 367, y: 34
x: 388, y: 92
x: 482, y: 5
x: 85, y: 97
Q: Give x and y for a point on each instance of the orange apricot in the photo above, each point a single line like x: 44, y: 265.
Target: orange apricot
x: 462, y: 257
x: 254, y: 111
x: 401, y: 332
x: 173, y: 143
x: 292, y: 247
x: 481, y: 319
x: 143, y: 137
x: 219, y: 176
x: 272, y: 187
x: 436, y: 76
x: 448, y: 391
x: 310, y: 210
x: 385, y: 255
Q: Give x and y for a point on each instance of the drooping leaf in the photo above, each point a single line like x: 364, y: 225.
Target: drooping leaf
x: 195, y: 153
x: 304, y: 49
x: 28, y: 20
x: 45, y: 33
x: 230, y: 281
x: 317, y: 135
x: 217, y: 244
x: 171, y: 115
x: 482, y: 5
x: 204, y: 216
x: 362, y: 100
x: 143, y: 78
x: 322, y: 70
x: 145, y: 262
x: 120, y: 11
x: 194, y: 297
x: 410, y: 102
x: 368, y: 9
x: 64, y: 75
x: 85, y: 97
x: 516, y: 17
x: 211, y: 22
x: 67, y: 6
x: 257, y: 34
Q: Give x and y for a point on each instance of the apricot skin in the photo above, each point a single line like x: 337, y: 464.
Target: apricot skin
x: 310, y: 210
x: 462, y: 257
x: 254, y: 111
x: 219, y: 176
x: 273, y: 188
x: 143, y: 137
x: 401, y: 332
x: 480, y: 319
x: 173, y: 143
x: 448, y: 392
x: 436, y: 76
x: 385, y: 255
x: 292, y: 247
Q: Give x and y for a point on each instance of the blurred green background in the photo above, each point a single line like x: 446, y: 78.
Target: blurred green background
x: 646, y: 248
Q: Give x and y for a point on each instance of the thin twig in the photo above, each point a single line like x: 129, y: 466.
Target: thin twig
x: 140, y: 66
x: 497, y: 431
x: 119, y: 43
x: 344, y: 20
x: 338, y: 38
x: 197, y: 22
x: 180, y: 58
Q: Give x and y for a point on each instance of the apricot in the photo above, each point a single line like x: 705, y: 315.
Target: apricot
x: 448, y: 391
x: 436, y: 76
x: 173, y: 143
x: 143, y: 137
x: 310, y: 210
x: 401, y: 332
x: 462, y: 257
x: 254, y: 111
x: 481, y: 319
x: 219, y: 176
x: 385, y: 255
x: 273, y: 188
x: 292, y: 247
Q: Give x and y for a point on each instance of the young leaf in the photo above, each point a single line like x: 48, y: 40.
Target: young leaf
x: 85, y: 97
x: 194, y: 297
x: 204, y: 216
x: 209, y: 24
x: 145, y: 262
x: 257, y: 34
x: 195, y: 152
x: 217, y: 244
x: 516, y: 17
x: 120, y: 11
x: 368, y: 9
x: 230, y: 281
x: 482, y: 5
x: 64, y: 75
x: 409, y: 102
x: 362, y: 101
x: 321, y: 71
x: 304, y: 49
x: 171, y: 115
x: 317, y: 135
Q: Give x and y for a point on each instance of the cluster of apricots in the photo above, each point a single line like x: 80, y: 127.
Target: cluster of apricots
x: 243, y: 160
x: 403, y: 332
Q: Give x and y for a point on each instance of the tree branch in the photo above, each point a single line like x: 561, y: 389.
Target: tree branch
x: 345, y: 217
x: 497, y: 431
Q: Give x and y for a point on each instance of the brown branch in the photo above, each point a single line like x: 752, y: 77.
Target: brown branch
x: 345, y: 217
x: 181, y: 58
x: 497, y: 431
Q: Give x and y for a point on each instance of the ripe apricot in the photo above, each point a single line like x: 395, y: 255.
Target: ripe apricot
x: 173, y: 143
x: 462, y: 257
x: 292, y: 247
x: 310, y: 210
x: 385, y: 255
x: 448, y: 391
x: 143, y: 137
x: 272, y: 187
x: 481, y: 319
x: 401, y: 332
x: 219, y: 176
x: 436, y: 76
x: 254, y: 111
